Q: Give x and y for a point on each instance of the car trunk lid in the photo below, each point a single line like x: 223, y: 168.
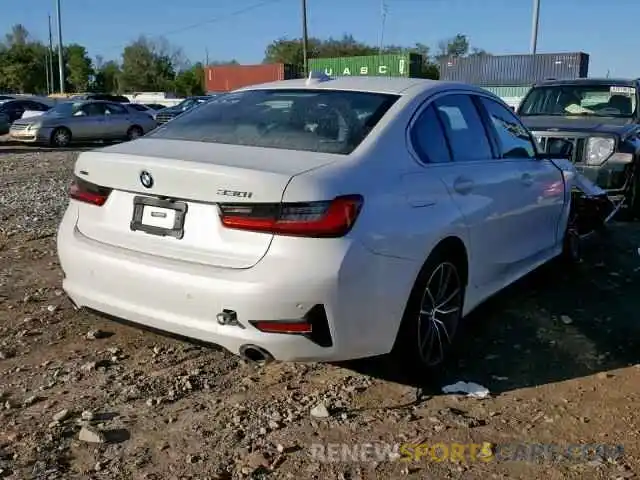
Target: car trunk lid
x: 161, y: 184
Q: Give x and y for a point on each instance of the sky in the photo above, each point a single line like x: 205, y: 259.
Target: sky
x: 241, y: 29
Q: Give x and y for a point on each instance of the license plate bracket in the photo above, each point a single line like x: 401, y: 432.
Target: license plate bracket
x: 163, y: 207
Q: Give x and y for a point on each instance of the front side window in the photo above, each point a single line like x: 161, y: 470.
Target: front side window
x: 609, y: 100
x: 464, y: 128
x: 327, y: 121
x: 66, y: 108
x: 514, y: 138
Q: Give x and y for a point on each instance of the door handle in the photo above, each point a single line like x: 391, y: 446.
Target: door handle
x: 527, y: 179
x: 463, y: 185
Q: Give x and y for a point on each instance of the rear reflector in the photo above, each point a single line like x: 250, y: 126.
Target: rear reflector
x: 280, y: 326
x: 314, y: 219
x: 87, y: 192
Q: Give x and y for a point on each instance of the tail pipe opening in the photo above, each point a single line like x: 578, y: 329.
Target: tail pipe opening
x: 255, y: 354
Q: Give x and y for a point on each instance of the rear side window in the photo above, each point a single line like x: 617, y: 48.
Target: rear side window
x: 326, y: 121
x: 428, y: 137
x: 115, y: 109
x: 515, y: 141
x: 138, y: 107
x: 464, y: 128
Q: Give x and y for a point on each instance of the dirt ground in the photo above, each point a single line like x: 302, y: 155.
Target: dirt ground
x: 83, y: 397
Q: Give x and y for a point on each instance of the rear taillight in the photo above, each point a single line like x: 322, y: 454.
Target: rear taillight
x: 87, y: 192
x: 332, y: 218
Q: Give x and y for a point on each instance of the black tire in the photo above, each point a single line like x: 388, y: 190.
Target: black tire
x: 134, y: 132
x: 60, y: 137
x: 425, y: 336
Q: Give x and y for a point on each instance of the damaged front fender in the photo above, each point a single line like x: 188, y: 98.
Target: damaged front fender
x: 590, y: 207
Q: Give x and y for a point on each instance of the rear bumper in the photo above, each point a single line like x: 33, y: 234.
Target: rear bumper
x: 363, y: 294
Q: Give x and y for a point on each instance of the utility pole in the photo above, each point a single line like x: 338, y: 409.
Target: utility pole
x: 60, y: 60
x: 206, y: 57
x: 534, y: 27
x: 383, y: 13
x: 50, y: 57
x: 46, y: 71
x: 305, y: 37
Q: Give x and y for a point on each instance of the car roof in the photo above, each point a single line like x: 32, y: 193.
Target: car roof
x: 388, y: 85
x: 590, y: 81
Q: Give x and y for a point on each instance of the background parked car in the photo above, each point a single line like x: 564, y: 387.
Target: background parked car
x: 107, y: 97
x: 139, y: 107
x: 170, y: 113
x: 14, y: 109
x: 83, y: 121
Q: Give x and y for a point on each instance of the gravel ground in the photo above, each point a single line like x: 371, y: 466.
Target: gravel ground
x: 82, y: 397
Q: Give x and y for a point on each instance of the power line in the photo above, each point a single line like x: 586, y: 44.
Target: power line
x: 210, y: 20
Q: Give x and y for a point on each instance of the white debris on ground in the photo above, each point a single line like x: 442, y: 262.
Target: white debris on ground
x: 469, y: 388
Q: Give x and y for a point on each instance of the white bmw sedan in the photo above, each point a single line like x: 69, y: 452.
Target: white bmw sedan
x: 315, y: 219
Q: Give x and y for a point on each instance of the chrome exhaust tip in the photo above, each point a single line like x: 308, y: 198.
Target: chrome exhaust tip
x: 255, y: 354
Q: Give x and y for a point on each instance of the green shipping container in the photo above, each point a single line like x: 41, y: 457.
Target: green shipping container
x: 404, y: 65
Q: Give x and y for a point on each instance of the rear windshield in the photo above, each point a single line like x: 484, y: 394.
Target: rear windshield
x: 326, y: 121
x: 585, y: 100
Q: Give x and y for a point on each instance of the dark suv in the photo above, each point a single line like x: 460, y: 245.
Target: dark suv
x: 597, y: 123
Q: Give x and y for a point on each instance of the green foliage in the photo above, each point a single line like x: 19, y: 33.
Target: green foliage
x: 155, y: 65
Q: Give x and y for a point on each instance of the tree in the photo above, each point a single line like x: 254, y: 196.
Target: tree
x: 18, y: 36
x: 147, y: 66
x: 22, y: 63
x: 457, y: 46
x: 107, y: 76
x: 80, y: 67
x: 190, y: 82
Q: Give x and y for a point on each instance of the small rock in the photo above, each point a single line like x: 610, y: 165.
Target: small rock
x: 256, y: 460
x: 91, y: 435
x: 193, y: 458
x: 280, y: 448
x: 61, y: 416
x: 51, y: 308
x: 320, y: 411
x: 566, y: 319
x: 96, y: 334
x: 604, y: 375
x: 87, y: 367
x: 30, y: 400
x: 87, y: 415
x: 6, y: 354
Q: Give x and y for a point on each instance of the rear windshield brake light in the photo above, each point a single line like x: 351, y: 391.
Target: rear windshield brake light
x: 333, y: 218
x: 87, y: 192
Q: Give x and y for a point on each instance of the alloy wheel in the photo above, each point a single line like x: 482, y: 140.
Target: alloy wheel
x: 440, y: 312
x: 61, y: 138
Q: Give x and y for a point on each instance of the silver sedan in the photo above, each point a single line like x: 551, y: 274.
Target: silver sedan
x: 83, y: 121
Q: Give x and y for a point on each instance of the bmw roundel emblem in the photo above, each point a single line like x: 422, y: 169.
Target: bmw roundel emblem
x: 146, y: 179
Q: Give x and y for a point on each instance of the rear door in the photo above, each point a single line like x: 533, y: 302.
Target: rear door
x: 117, y: 120
x: 487, y: 189
x: 542, y: 182
x: 89, y: 122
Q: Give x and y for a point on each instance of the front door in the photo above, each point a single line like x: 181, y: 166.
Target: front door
x: 542, y: 182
